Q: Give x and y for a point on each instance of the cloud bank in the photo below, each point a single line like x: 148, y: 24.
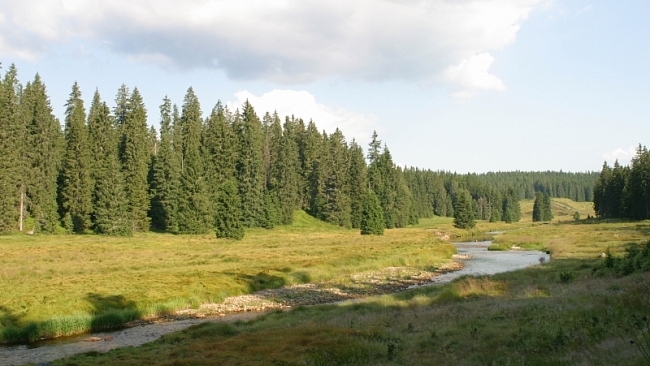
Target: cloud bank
x: 302, y: 104
x: 289, y: 41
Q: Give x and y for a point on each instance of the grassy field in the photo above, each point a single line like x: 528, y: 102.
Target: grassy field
x: 557, y: 313
x: 67, y: 284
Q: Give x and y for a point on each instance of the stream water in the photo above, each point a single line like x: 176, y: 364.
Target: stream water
x: 479, y: 261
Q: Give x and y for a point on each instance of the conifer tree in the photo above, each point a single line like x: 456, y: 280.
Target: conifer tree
x: 619, y: 191
x: 463, y: 213
x: 165, y: 186
x: 228, y: 211
x: 177, y: 135
x: 511, y: 208
x: 358, y: 183
x: 372, y: 220
x: 333, y: 172
x: 385, y: 182
x: 220, y: 147
x: 76, y: 185
x: 121, y: 108
x: 10, y: 147
x: 110, y: 210
x: 310, y: 141
x: 537, y: 207
x: 272, y: 144
x: 440, y: 198
x: 135, y: 156
x: 601, y: 199
x: 318, y: 180
x: 250, y: 166
x: 547, y: 213
x: 195, y: 214
x: 43, y: 155
x: 286, y: 173
x: 639, y: 185
x: 404, y: 214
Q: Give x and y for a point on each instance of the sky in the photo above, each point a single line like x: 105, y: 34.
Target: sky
x: 455, y: 85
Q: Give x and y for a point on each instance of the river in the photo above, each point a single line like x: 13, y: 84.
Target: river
x: 478, y: 261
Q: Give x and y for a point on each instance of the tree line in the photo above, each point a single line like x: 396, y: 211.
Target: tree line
x: 624, y: 191
x: 107, y: 171
x: 492, y: 196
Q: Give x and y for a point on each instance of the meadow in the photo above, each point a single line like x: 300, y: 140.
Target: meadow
x: 61, y: 285
x: 563, y: 312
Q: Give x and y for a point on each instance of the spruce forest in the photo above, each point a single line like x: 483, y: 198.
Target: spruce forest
x: 104, y: 169
x: 623, y: 191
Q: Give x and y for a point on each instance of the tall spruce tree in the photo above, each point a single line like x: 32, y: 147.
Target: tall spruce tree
x: 250, y: 167
x: 110, y: 210
x: 272, y: 129
x: 601, y: 199
x: 547, y: 213
x: 310, y: 146
x: 10, y: 147
x: 195, y: 214
x: 511, y: 208
x: 43, y: 154
x: 165, y: 185
x: 333, y: 172
x: 619, y: 191
x: 76, y: 185
x: 463, y: 212
x: 537, y: 207
x: 286, y: 172
x: 372, y: 218
x: 135, y: 156
x: 403, y: 208
x: 376, y: 177
x: 357, y: 182
x: 639, y: 185
x: 386, y: 188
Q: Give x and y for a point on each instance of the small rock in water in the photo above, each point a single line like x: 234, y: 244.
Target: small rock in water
x: 108, y: 338
x: 92, y: 339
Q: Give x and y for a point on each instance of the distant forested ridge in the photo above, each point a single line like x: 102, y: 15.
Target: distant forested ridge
x: 624, y: 191
x: 435, y: 192
x: 217, y: 171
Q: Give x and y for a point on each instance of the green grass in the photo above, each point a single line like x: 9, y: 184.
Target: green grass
x: 66, y: 284
x: 558, y: 313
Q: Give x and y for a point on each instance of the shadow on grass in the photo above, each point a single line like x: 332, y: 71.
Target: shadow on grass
x: 261, y: 281
x: 106, y: 312
x: 110, y: 312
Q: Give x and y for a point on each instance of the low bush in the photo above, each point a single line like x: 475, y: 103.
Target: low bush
x: 636, y: 259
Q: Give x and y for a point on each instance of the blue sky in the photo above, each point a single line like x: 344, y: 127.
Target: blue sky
x: 466, y: 86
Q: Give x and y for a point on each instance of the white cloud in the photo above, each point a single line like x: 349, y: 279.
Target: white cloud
x: 289, y: 41
x: 623, y: 156
x: 302, y: 104
x: 472, y: 75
